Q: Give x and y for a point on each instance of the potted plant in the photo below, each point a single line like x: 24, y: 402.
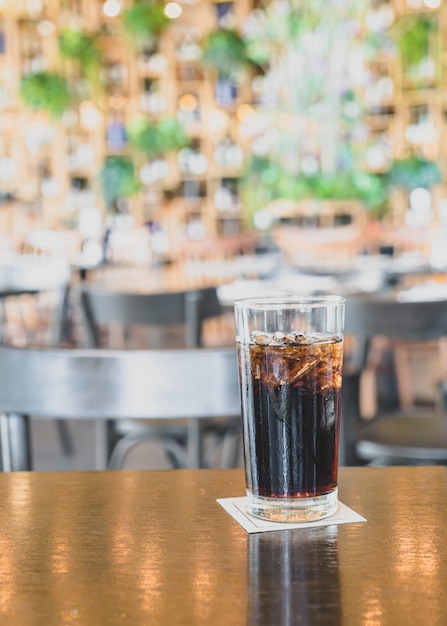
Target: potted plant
x: 118, y: 181
x: 410, y: 181
x: 45, y: 91
x: 155, y: 139
x: 413, y: 37
x: 225, y: 51
x: 266, y: 181
x: 82, y: 47
x: 145, y: 21
x: 414, y: 172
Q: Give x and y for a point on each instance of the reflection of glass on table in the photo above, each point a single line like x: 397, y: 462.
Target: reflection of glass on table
x: 293, y: 573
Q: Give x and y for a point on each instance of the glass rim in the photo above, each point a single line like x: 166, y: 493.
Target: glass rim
x: 289, y: 301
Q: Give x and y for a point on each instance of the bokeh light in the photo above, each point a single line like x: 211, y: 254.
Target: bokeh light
x: 111, y: 8
x: 173, y: 10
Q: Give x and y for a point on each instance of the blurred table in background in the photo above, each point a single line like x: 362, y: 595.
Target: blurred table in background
x: 269, y: 274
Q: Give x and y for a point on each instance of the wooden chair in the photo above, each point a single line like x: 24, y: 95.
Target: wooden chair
x: 411, y: 433
x: 192, y: 385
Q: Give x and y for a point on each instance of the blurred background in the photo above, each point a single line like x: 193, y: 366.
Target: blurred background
x: 200, y: 119
x: 283, y: 146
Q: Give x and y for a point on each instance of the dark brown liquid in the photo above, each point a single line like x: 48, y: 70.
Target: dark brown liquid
x: 291, y: 404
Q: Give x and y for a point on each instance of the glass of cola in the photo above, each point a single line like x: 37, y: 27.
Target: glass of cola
x: 290, y: 354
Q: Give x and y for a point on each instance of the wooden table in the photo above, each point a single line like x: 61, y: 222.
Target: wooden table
x: 24, y: 273
x: 142, y: 280
x: 154, y: 547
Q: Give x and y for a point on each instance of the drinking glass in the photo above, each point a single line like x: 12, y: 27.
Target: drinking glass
x: 290, y: 354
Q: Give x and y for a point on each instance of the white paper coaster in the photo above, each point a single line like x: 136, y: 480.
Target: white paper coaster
x: 237, y: 508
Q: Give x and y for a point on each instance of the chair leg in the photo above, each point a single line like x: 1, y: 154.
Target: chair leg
x: 223, y: 449
x: 194, y: 443
x: 230, y: 449
x: 65, y: 437
x: 103, y: 443
x: 15, y: 443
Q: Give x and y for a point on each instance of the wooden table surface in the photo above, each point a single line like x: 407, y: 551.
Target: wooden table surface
x: 154, y: 547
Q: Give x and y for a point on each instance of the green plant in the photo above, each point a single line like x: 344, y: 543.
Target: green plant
x: 265, y: 181
x: 315, y: 103
x: 45, y: 91
x: 156, y: 139
x: 345, y: 185
x: 414, y: 172
x: 412, y: 38
x: 275, y: 25
x: 145, y: 21
x: 225, y: 51
x: 80, y: 46
x: 118, y: 179
x: 349, y: 185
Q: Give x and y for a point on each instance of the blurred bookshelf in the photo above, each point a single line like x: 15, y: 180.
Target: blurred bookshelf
x: 96, y: 111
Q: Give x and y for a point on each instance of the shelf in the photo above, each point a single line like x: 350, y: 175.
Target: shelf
x: 142, y: 89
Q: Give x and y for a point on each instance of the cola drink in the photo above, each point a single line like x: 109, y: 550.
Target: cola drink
x: 291, y: 388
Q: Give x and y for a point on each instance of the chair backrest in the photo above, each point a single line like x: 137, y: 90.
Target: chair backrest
x: 413, y: 332
x: 33, y: 296
x: 115, y: 384
x: 187, y: 308
x: 369, y: 316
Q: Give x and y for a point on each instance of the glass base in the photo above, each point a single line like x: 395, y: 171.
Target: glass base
x: 293, y: 509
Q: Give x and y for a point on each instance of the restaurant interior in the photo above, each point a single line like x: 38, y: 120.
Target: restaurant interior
x: 161, y: 162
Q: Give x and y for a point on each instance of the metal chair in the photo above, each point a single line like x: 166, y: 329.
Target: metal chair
x: 177, y: 320
x: 193, y: 385
x: 34, y: 293
x: 188, y: 309
x: 411, y: 434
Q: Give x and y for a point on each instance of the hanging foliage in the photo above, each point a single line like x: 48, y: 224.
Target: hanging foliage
x: 80, y: 46
x: 156, y: 139
x: 118, y: 179
x: 283, y: 23
x: 45, y: 91
x: 413, y: 39
x: 225, y: 50
x: 145, y: 21
x: 414, y: 172
x: 264, y: 181
x: 311, y: 105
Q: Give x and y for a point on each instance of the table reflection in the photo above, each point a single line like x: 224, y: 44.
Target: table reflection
x: 293, y: 577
